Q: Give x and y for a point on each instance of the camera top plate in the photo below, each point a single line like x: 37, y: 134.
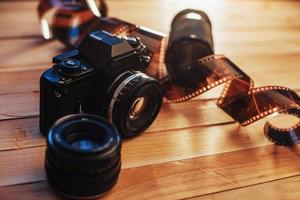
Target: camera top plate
x: 100, y: 48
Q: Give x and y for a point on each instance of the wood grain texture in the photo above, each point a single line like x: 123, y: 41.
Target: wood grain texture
x: 192, y: 177
x: 24, y: 51
x: 284, y: 70
x: 243, y: 15
x: 198, y: 176
x: 24, y: 147
x: 284, y: 189
x: 19, y: 105
x: 193, y: 149
x: 26, y: 129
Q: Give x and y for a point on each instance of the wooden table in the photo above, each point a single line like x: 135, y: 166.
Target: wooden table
x: 193, y: 150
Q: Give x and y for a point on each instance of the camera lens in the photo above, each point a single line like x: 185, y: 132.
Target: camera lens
x: 133, y: 102
x: 83, y: 157
x: 190, y: 39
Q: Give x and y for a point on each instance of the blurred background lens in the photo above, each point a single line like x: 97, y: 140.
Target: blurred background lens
x: 190, y: 39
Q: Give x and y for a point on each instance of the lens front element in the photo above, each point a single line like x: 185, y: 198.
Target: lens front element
x: 137, y: 107
x: 133, y: 102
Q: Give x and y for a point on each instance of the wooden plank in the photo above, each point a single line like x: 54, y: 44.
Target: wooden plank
x: 268, y: 70
x: 26, y: 104
x: 22, y: 52
x: 19, y: 52
x: 24, y: 136
x: 188, y: 114
x: 284, y: 189
x: 174, y: 145
x: 195, y: 113
x: 36, y: 191
x: 242, y: 15
x: 188, y: 178
x: 151, y: 148
x: 18, y: 19
x: 18, y: 124
x: 21, y: 99
x: 19, y: 105
x: 20, y: 81
x: 14, y: 136
x: 230, y: 42
x: 193, y: 177
x: 282, y: 71
x: 172, y: 160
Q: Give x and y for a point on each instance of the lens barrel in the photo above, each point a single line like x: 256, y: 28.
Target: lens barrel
x: 83, y: 158
x: 190, y: 39
x: 132, y: 102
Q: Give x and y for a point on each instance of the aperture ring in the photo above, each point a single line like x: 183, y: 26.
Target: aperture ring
x: 120, y: 91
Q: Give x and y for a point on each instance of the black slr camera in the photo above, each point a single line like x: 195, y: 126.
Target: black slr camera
x: 103, y: 76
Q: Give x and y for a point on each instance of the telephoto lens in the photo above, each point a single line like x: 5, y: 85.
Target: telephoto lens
x: 190, y: 39
x: 83, y: 158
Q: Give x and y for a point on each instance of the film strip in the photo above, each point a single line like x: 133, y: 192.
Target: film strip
x: 239, y: 98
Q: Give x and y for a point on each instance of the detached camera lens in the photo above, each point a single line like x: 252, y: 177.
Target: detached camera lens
x: 83, y: 157
x: 133, y: 102
x: 190, y: 39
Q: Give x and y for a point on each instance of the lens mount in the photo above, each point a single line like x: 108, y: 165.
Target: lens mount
x: 83, y: 157
x: 133, y: 102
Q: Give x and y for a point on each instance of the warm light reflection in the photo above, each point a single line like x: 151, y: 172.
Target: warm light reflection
x: 283, y: 120
x: 93, y: 7
x: 275, y: 114
x: 193, y: 15
x: 45, y: 29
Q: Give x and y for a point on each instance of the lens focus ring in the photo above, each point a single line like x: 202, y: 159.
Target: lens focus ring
x: 83, y: 156
x: 133, y: 93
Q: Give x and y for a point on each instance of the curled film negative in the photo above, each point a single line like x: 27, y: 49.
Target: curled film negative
x: 239, y: 98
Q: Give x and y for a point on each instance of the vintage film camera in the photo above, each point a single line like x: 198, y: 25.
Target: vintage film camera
x: 104, y: 76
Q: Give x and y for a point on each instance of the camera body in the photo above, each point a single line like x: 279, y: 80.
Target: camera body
x: 82, y: 80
